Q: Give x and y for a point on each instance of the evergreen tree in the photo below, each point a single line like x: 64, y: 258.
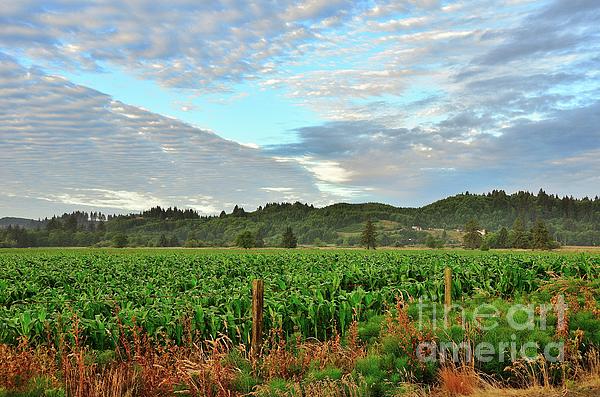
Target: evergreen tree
x: 540, y: 237
x: 70, y: 222
x: 162, y: 241
x: 472, y: 238
x: 485, y: 245
x: 53, y: 224
x: 369, y: 237
x: 444, y: 237
x: 238, y: 211
x: 245, y: 240
x: 288, y: 239
x: 258, y: 241
x: 502, y: 238
x: 519, y: 237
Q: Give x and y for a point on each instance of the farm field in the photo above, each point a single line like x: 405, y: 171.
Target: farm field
x: 176, y: 297
x: 309, y: 292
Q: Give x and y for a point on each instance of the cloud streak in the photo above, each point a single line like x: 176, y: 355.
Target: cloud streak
x: 73, y: 145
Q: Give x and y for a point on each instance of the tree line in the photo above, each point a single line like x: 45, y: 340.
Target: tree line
x: 538, y: 237
x: 567, y: 220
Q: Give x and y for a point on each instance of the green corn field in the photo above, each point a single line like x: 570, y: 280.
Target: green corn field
x: 169, y: 294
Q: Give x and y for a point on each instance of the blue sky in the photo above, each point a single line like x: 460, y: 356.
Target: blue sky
x: 248, y: 114
x: 118, y: 106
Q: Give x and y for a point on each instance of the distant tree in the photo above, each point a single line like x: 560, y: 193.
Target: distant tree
x: 245, y: 240
x: 369, y: 236
x: 259, y: 242
x: 223, y: 214
x: 540, y: 237
x: 502, y: 238
x: 53, y: 224
x: 317, y: 242
x: 174, y: 242
x: 472, y: 238
x: 289, y: 240
x: 70, y: 223
x: 120, y: 240
x: 162, y: 241
x: 519, y: 237
x: 238, y: 211
x: 485, y: 245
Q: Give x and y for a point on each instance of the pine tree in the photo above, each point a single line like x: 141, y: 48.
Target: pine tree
x: 444, y: 237
x: 502, y: 239
x: 519, y: 238
x: 369, y: 236
x: 540, y: 237
x: 288, y: 239
x: 472, y: 238
x: 485, y: 245
x: 163, y: 242
x: 53, y: 224
x: 258, y: 240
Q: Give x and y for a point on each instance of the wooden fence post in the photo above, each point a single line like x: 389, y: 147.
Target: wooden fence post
x: 258, y: 290
x: 448, y: 289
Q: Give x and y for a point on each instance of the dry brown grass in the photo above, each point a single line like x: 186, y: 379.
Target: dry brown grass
x: 19, y: 364
x: 292, y: 361
x: 588, y: 386
x: 142, y: 368
x: 458, y: 381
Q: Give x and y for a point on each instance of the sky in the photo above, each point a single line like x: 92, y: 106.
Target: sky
x: 122, y: 105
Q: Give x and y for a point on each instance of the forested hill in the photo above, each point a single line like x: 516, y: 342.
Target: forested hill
x: 20, y: 222
x: 497, y: 209
x: 570, y: 220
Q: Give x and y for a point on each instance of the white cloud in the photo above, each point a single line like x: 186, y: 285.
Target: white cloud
x: 325, y: 170
x: 103, y: 198
x: 277, y: 189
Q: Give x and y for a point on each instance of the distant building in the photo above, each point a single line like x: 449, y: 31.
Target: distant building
x: 417, y: 228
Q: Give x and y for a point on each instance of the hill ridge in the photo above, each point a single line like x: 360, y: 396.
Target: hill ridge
x: 569, y: 220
